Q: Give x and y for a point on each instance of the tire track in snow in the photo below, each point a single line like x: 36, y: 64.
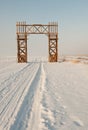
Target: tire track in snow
x: 11, y: 75
x: 14, y: 99
x: 30, y: 112
x: 9, y: 70
x: 35, y: 119
x: 8, y: 88
x: 24, y: 112
x: 8, y: 98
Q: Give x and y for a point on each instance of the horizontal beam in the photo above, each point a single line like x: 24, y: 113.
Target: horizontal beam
x: 23, y: 28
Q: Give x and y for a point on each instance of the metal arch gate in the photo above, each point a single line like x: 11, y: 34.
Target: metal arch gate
x: 51, y: 30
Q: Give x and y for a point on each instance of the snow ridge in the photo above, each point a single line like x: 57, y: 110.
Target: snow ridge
x: 23, y: 115
x: 35, y: 120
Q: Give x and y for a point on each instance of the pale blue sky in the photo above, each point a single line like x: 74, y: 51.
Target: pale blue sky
x: 71, y: 15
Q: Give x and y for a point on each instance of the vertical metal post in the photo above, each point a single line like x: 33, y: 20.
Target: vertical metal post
x: 21, y: 43
x: 53, y: 42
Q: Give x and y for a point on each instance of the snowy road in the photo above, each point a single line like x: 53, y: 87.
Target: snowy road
x: 44, y: 96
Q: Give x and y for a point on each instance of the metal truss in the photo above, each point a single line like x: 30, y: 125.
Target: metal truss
x: 53, y: 51
x: 22, y: 48
x: 51, y: 30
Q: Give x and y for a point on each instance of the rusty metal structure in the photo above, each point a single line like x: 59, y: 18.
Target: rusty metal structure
x: 23, y: 30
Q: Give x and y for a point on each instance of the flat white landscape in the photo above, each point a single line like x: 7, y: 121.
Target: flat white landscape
x: 39, y: 95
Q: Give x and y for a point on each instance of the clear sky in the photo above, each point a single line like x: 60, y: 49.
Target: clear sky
x: 71, y: 15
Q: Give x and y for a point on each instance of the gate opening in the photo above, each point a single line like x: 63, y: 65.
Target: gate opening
x: 37, y: 48
x: 23, y: 30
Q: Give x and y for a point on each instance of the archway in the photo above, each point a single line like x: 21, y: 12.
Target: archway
x: 23, y: 30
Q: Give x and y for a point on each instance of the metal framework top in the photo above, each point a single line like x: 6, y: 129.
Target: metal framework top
x: 50, y: 28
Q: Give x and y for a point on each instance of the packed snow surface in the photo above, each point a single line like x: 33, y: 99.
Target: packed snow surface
x: 39, y: 95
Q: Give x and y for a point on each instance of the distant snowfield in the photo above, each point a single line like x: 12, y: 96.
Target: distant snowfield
x: 44, y: 96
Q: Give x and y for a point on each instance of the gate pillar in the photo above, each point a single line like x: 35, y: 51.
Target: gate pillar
x: 21, y: 42
x: 53, y: 47
x: 22, y: 48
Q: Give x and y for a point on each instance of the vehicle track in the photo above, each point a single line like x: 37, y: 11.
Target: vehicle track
x: 13, y: 98
x: 31, y: 109
x: 35, y: 118
x: 6, y: 84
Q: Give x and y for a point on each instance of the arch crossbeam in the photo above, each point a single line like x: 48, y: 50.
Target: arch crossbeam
x: 37, y: 29
x: 51, y: 30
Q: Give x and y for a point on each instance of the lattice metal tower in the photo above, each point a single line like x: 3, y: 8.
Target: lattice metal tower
x: 51, y: 30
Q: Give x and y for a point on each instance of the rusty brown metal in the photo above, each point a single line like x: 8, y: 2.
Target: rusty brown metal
x: 51, y: 30
x: 22, y: 48
x: 21, y: 42
x: 53, y: 51
x: 53, y: 42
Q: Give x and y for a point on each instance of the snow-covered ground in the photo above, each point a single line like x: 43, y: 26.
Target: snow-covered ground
x: 44, y: 96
